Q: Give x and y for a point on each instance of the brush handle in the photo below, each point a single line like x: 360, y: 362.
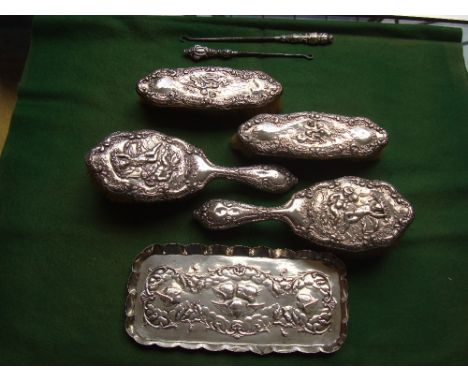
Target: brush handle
x: 269, y: 178
x: 218, y: 214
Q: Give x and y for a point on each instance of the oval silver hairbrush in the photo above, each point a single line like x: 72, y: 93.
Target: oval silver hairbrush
x: 150, y: 166
x: 348, y: 213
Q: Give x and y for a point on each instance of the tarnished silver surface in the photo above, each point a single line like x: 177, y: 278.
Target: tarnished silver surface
x: 237, y: 298
x: 313, y: 38
x: 312, y: 136
x: 198, y: 52
x: 209, y: 88
x: 348, y: 213
x: 149, y: 166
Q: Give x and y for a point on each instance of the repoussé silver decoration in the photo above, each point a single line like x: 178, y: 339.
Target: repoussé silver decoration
x: 237, y: 298
x: 211, y: 87
x: 348, y: 213
x: 311, y: 135
x: 150, y: 166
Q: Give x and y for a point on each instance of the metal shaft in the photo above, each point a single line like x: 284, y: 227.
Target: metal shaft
x: 272, y: 54
x: 247, y: 39
x: 314, y: 38
x: 199, y: 52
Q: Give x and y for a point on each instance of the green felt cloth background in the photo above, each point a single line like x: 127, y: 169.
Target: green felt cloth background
x: 66, y: 253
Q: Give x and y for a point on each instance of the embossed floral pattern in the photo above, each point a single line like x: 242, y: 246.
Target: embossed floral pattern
x: 315, y: 132
x: 239, y: 308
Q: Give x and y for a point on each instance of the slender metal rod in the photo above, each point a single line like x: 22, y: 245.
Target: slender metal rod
x: 208, y: 39
x: 314, y: 38
x: 199, y: 52
x: 272, y: 54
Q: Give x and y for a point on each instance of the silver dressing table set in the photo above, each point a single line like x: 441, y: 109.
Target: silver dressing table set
x: 242, y: 298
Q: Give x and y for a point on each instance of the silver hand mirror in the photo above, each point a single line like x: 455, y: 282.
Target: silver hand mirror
x: 348, y: 213
x: 149, y: 166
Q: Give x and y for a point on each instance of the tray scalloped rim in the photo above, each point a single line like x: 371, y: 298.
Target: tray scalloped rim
x: 237, y: 250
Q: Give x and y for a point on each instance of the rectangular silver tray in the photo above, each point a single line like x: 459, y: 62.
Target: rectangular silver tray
x: 237, y: 298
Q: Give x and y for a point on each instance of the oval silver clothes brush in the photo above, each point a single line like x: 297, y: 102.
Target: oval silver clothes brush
x: 210, y: 88
x: 311, y: 135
